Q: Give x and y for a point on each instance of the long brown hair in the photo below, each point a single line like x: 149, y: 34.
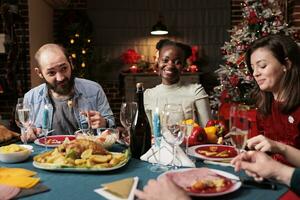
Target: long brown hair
x: 285, y: 50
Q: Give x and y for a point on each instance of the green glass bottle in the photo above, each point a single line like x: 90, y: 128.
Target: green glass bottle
x: 140, y: 134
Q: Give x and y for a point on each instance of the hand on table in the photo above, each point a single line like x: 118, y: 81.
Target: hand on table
x: 162, y: 188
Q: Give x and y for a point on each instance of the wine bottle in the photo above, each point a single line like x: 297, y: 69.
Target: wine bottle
x: 140, y: 134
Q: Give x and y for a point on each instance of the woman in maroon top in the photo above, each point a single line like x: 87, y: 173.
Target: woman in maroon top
x: 274, y: 61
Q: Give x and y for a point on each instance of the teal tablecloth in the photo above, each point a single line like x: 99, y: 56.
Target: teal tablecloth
x: 80, y: 186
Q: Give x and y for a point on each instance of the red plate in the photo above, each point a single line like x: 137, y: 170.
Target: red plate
x: 54, y: 140
x: 213, y: 152
x: 185, y: 178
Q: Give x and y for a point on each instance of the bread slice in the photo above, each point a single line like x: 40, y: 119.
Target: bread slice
x: 120, y: 188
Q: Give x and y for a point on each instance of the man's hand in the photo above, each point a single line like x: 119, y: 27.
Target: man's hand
x: 31, y: 134
x: 162, y: 188
x: 261, y: 143
x: 95, y: 119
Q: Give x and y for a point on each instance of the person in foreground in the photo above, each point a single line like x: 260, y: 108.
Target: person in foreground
x: 193, y: 98
x: 259, y: 166
x: 274, y: 62
x: 255, y: 163
x: 65, y: 95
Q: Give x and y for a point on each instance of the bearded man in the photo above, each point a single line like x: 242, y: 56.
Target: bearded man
x: 64, y: 96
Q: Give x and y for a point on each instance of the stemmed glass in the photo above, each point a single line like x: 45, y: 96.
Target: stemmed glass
x: 81, y: 109
x: 23, y: 117
x: 173, y: 129
x: 239, y: 126
x: 127, y: 114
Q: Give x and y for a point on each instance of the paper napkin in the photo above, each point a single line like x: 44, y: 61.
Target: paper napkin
x: 18, y: 177
x: 114, y: 193
x: 166, y: 156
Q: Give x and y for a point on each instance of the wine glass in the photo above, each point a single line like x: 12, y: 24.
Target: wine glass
x: 239, y: 126
x: 173, y: 129
x: 23, y: 117
x: 81, y: 109
x: 127, y: 114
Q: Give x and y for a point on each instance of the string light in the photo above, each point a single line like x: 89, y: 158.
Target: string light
x: 72, y: 41
x: 76, y: 35
x: 83, y: 65
x: 73, y: 55
x: 83, y: 51
x: 88, y: 40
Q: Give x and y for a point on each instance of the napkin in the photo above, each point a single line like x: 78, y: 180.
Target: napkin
x: 113, y: 196
x: 18, y: 177
x: 166, y: 156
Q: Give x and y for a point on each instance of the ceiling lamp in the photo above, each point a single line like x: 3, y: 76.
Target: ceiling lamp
x: 159, y: 28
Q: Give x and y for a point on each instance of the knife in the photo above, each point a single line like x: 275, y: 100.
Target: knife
x: 225, y: 164
x: 265, y: 184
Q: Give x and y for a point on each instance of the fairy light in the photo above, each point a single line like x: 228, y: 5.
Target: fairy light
x: 83, y: 65
x: 72, y: 41
x: 73, y: 55
x: 83, y: 51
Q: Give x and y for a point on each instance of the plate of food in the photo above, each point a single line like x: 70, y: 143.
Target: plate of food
x: 54, y: 140
x: 213, y: 152
x: 204, y: 182
x: 81, y: 155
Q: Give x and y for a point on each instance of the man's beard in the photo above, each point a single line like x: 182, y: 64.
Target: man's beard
x: 65, y: 88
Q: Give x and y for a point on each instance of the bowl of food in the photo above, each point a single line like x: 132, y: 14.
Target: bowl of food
x: 107, y: 137
x: 14, y: 153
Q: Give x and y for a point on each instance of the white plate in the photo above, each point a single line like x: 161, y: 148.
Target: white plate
x: 236, y: 184
x: 59, y: 138
x: 192, y: 151
x: 56, y: 167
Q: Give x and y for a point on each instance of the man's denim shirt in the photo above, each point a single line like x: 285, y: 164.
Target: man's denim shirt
x: 90, y: 90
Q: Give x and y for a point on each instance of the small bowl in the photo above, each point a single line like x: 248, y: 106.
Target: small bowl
x: 16, y: 157
x: 107, y: 137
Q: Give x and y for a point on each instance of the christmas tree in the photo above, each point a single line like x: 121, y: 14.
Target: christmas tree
x: 260, y: 18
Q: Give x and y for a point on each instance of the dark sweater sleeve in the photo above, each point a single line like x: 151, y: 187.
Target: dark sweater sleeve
x: 295, y: 182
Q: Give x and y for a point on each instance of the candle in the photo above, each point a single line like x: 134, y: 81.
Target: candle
x: 156, y: 127
x: 133, y: 69
x: 45, y: 117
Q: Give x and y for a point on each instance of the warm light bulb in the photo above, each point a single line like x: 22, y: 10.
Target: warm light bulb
x: 83, y: 51
x: 76, y: 35
x: 83, y: 65
x: 73, y: 55
x: 88, y: 40
x: 72, y: 41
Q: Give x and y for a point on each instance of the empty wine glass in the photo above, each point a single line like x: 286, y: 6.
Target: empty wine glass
x: 173, y: 129
x: 239, y: 126
x: 127, y: 114
x: 81, y: 109
x: 23, y: 117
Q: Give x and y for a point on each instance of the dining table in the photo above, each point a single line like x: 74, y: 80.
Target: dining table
x: 77, y: 185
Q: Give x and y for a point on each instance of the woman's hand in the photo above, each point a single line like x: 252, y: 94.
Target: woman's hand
x: 162, y: 188
x: 261, y: 143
